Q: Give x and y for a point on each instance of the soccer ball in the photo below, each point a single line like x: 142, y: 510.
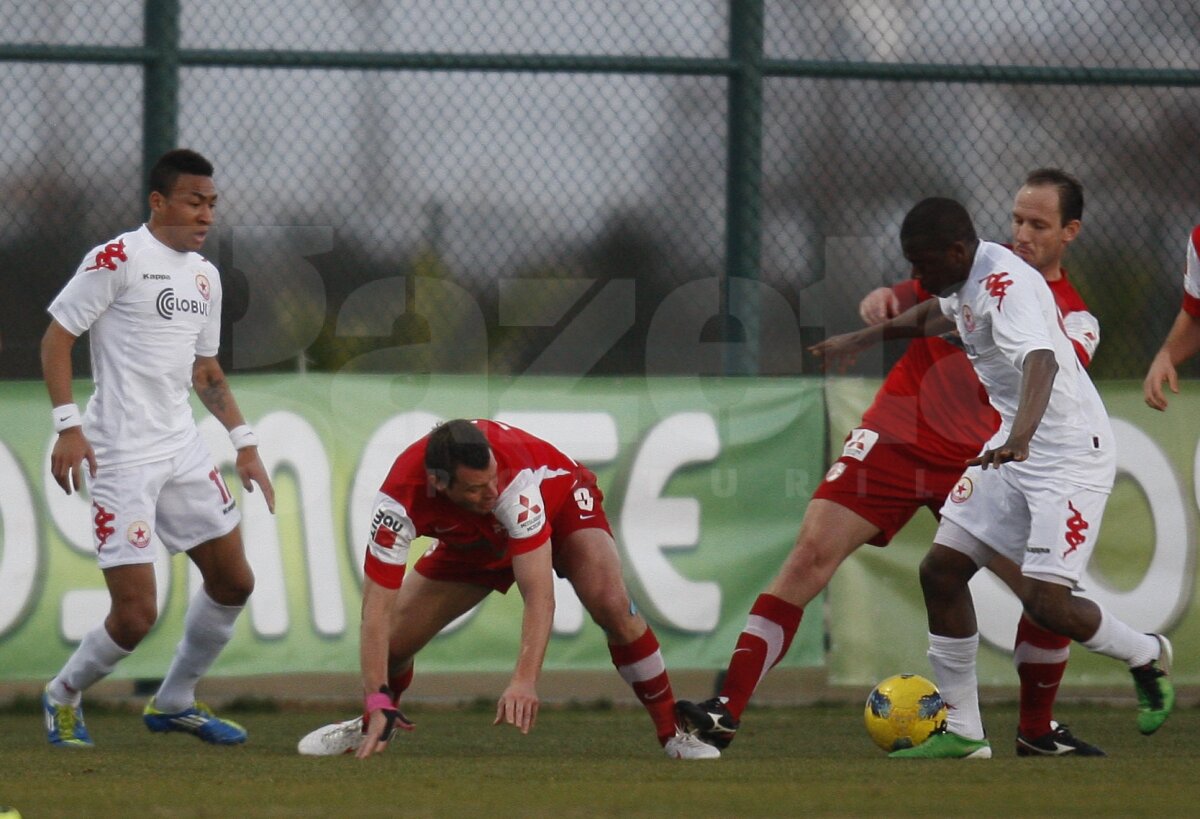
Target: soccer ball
x: 902, y: 711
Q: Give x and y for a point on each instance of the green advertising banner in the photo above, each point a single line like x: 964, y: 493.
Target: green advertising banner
x: 705, y: 483
x: 1143, y: 569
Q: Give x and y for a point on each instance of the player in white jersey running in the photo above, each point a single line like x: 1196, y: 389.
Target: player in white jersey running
x: 1183, y: 341
x: 1036, y: 492
x: 152, y: 308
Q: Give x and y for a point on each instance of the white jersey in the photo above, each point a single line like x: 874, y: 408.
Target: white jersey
x: 1005, y: 310
x: 150, y: 311
x: 1191, y: 277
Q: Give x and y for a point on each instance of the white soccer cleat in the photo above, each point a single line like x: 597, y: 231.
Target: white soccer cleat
x: 687, y: 746
x: 333, y: 740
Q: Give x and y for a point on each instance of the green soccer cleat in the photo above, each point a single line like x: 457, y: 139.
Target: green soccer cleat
x: 1155, y: 693
x: 946, y: 745
x: 199, y: 721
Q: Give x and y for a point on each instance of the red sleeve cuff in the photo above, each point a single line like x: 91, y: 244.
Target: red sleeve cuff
x: 388, y: 575
x: 1191, y: 305
x: 520, y: 547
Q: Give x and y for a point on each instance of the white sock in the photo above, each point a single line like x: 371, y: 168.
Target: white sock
x: 207, y: 628
x: 1116, y: 639
x: 94, y: 659
x: 953, y: 661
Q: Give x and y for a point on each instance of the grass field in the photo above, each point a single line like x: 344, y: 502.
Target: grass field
x: 590, y: 761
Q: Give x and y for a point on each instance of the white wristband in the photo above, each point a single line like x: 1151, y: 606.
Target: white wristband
x: 65, y: 417
x: 242, y: 437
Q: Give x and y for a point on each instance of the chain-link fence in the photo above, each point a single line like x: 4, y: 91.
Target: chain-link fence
x: 528, y: 186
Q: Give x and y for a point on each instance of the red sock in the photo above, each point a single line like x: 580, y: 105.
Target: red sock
x: 763, y: 643
x: 640, y: 664
x: 1041, y: 659
x: 400, y: 682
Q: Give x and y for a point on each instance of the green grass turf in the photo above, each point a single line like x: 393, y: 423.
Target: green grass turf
x: 814, y: 761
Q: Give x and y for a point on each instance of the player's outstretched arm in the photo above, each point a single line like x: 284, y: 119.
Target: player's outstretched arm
x: 924, y: 319
x: 1182, y: 343
x: 1037, y: 381
x: 72, y: 447
x: 208, y: 379
x: 518, y: 705
x: 374, y: 634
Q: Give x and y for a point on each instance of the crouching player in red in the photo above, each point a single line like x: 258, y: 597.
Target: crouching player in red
x: 504, y: 506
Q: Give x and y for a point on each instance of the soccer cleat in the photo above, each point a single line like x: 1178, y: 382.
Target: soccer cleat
x: 332, y: 740
x: 198, y: 720
x: 946, y: 745
x: 710, y: 721
x: 1058, y: 741
x: 64, y: 723
x: 688, y: 746
x: 1155, y: 693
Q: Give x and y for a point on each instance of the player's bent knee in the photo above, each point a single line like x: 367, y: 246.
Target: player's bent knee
x: 129, y: 625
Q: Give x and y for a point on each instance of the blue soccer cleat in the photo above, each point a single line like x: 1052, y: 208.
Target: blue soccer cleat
x: 198, y: 720
x: 64, y: 723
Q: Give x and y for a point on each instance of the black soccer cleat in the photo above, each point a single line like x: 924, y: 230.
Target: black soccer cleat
x: 1058, y: 741
x: 709, y: 720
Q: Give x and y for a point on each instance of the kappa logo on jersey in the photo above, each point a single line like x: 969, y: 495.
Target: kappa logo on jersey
x: 528, y: 509
x: 384, y: 528
x: 203, y: 287
x: 113, y: 252
x: 101, y: 520
x: 997, y: 285
x: 138, y: 534
x: 962, y: 490
x: 167, y: 305
x: 1076, y: 526
x: 859, y: 443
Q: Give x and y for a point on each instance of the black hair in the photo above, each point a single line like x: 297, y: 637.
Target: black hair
x: 1070, y: 190
x: 936, y: 223
x: 453, y: 444
x: 171, y: 165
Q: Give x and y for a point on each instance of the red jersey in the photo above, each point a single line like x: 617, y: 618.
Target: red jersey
x: 535, y: 479
x: 1191, y: 276
x: 932, y: 399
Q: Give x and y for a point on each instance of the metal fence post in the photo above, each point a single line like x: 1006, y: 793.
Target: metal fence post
x: 743, y: 185
x: 160, y: 115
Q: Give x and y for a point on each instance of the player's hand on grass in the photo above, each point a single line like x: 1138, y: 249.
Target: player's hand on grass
x: 66, y: 459
x: 842, y: 350
x: 879, y: 305
x: 518, y: 706
x: 1008, y: 451
x: 251, y: 470
x: 381, y: 726
x: 1161, y: 369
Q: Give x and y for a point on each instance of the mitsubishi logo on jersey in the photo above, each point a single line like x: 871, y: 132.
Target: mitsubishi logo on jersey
x: 203, y: 287
x: 997, y: 285
x: 1076, y: 526
x: 527, y: 508
x: 101, y: 520
x: 167, y: 305
x: 108, y: 258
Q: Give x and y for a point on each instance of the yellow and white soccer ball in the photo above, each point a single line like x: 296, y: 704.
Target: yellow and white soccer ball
x: 9, y: 813
x: 902, y: 711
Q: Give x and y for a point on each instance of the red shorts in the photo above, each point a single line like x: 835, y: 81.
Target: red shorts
x: 575, y: 506
x: 886, y: 483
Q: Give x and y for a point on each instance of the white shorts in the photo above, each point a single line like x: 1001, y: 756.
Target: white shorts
x: 183, y: 500
x: 1046, y: 527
